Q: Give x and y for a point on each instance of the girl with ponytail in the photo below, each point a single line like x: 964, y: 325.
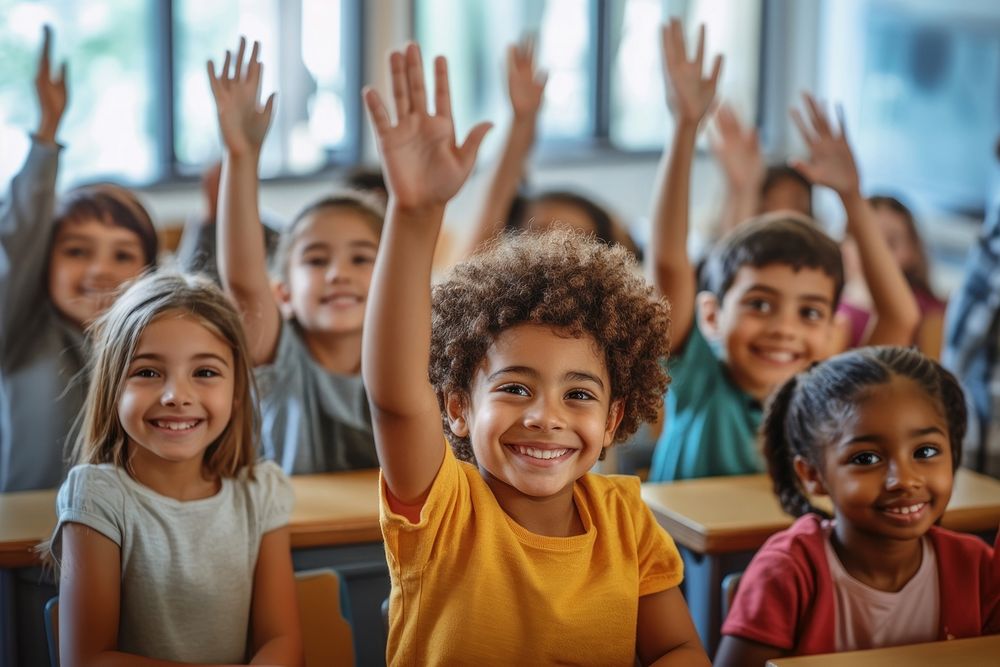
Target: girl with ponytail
x: 878, y: 430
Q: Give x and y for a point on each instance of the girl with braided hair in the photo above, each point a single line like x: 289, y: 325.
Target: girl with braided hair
x: 878, y: 430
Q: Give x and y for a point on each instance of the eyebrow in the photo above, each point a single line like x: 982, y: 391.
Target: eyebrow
x: 70, y: 236
x: 767, y: 289
x: 915, y: 433
x: 323, y: 245
x: 574, y: 376
x: 151, y: 356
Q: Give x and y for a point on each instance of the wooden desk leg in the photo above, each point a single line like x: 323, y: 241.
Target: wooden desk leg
x: 703, y: 575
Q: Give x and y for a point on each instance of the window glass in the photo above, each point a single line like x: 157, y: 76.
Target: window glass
x: 918, y: 83
x: 110, y: 125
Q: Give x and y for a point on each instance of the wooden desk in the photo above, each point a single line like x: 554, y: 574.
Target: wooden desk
x: 980, y: 651
x: 334, y: 523
x: 719, y: 522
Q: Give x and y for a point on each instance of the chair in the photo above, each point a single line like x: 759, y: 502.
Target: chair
x: 52, y: 630
x: 325, y: 613
x: 729, y: 586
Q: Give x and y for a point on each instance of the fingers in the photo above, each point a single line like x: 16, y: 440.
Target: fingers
x: 239, y: 58
x: 470, y: 147
x: 699, y: 51
x: 400, y: 85
x: 442, y: 92
x: 63, y: 75
x: 841, y: 122
x: 268, y: 108
x: 817, y: 115
x: 44, y: 58
x: 807, y: 135
x: 377, y: 113
x: 415, y: 77
x: 224, y: 75
x: 713, y: 78
x: 805, y: 169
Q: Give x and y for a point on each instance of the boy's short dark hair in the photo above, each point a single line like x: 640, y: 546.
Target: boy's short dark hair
x: 113, y: 205
x: 776, y: 173
x: 797, y: 242
x: 365, y: 204
x: 565, y: 280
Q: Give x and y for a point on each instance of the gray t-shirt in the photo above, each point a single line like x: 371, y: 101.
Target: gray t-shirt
x: 312, y: 420
x: 187, y: 567
x: 42, y: 356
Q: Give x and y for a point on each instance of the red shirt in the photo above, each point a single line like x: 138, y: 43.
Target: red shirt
x: 786, y: 598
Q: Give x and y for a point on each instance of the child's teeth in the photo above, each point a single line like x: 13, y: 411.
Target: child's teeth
x: 176, y: 426
x: 544, y: 454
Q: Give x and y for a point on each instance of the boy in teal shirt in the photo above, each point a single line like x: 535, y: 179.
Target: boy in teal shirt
x: 774, y: 285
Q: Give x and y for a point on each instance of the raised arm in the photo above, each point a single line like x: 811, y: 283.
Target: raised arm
x: 241, y: 254
x: 526, y: 88
x: 424, y: 168
x: 689, y: 95
x: 831, y: 163
x: 26, y: 211
x: 737, y: 150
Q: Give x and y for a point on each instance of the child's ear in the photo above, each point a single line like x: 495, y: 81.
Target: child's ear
x: 455, y: 404
x: 615, y: 414
x: 708, y: 308
x: 283, y: 297
x: 810, y: 477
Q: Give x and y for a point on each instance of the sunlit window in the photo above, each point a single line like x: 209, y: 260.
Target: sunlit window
x: 123, y: 103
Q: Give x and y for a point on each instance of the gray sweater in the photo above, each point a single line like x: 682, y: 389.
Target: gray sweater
x: 41, y: 355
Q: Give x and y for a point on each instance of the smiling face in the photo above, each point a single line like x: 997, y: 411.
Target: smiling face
x: 539, y: 411
x: 890, y: 474
x: 330, y: 270
x: 773, y: 322
x: 89, y: 260
x: 178, y: 393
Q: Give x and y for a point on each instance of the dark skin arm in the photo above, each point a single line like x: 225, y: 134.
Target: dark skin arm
x: 739, y: 652
x: 665, y: 634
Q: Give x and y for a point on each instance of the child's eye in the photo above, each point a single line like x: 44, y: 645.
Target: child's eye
x: 812, y: 314
x: 516, y: 389
x: 760, y: 305
x: 926, y: 452
x: 363, y: 259
x: 207, y: 373
x: 126, y: 258
x: 580, y: 395
x: 75, y: 251
x: 314, y: 260
x: 866, y: 459
x: 145, y: 373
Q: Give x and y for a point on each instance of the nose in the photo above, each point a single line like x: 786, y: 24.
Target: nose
x: 545, y: 414
x: 336, y: 271
x: 101, y: 268
x: 903, y: 475
x: 176, y: 393
x: 783, y: 322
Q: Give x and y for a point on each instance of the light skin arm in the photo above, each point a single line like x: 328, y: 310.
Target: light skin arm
x: 831, y: 163
x: 737, y: 150
x: 51, y: 92
x: 526, y: 88
x: 665, y: 634
x: 424, y: 169
x: 89, y: 593
x: 689, y: 95
x: 242, y: 257
x: 739, y: 652
x: 274, y: 614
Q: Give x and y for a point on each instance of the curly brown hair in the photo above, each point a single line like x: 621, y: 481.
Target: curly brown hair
x: 561, y: 279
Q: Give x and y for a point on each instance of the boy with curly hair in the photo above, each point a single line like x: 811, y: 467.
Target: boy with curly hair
x: 542, y: 351
x: 773, y: 288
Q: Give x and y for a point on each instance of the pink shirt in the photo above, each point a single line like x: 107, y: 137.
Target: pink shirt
x: 866, y: 617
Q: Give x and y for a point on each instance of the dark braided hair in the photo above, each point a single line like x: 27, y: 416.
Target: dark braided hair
x: 809, y: 411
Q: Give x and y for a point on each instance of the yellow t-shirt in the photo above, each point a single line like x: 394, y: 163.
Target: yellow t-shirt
x: 471, y: 586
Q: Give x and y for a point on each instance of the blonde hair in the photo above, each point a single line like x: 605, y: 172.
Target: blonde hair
x: 114, y: 337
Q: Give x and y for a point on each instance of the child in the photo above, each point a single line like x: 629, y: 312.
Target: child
x: 897, y: 225
x: 752, y: 188
x: 773, y: 288
x: 544, y: 351
x: 504, y: 208
x: 58, y: 271
x: 307, y: 345
x: 878, y: 430
x: 173, y: 545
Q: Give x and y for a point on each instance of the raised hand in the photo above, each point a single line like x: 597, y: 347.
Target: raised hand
x: 689, y: 93
x: 243, y: 122
x: 423, y: 165
x: 525, y: 83
x: 738, y: 150
x: 51, y: 91
x: 831, y: 162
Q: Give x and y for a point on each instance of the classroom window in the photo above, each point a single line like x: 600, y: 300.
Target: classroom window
x: 592, y: 50
x: 918, y: 84
x: 140, y: 108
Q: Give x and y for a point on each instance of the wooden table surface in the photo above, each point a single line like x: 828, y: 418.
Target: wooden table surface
x: 717, y: 515
x: 980, y: 651
x: 330, y: 509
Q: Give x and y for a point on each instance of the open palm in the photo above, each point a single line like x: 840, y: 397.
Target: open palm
x: 52, y: 95
x: 525, y: 84
x: 689, y: 93
x: 422, y: 163
x: 737, y: 149
x: 831, y: 162
x: 243, y: 122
